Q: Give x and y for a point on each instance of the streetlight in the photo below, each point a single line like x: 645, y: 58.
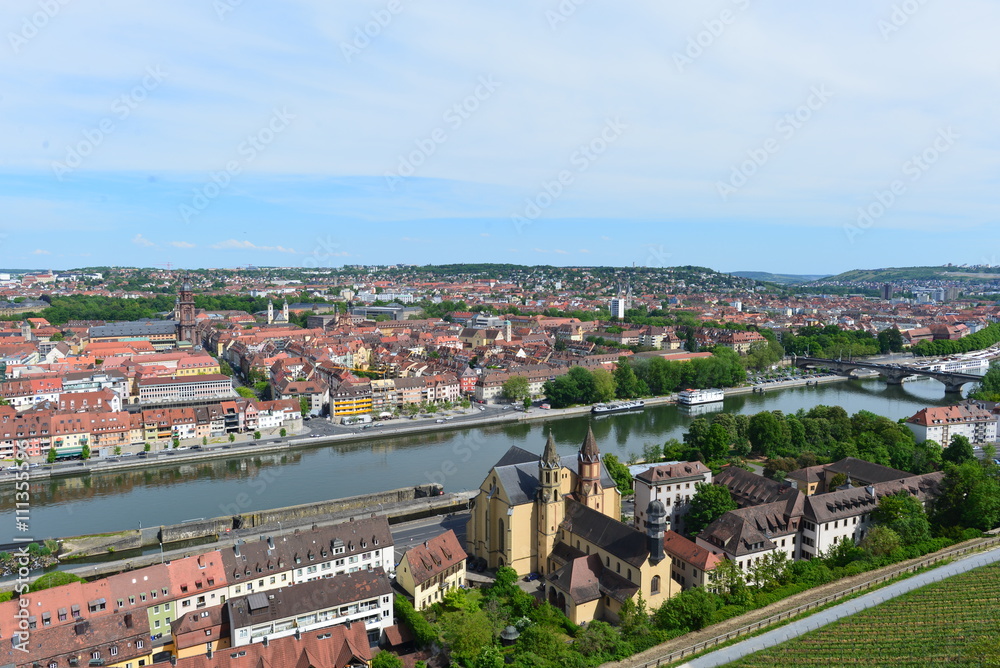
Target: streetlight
x: 161, y: 552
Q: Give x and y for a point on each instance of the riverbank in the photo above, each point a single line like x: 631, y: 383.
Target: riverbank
x: 306, y: 439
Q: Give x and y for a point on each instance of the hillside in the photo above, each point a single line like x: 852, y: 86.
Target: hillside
x: 891, y: 274
x: 781, y: 279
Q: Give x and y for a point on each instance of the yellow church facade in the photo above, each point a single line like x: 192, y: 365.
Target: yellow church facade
x: 559, y: 517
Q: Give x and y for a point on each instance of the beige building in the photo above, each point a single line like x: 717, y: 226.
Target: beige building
x: 427, y: 572
x: 560, y: 517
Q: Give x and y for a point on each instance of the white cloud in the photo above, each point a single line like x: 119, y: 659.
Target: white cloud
x: 182, y: 244
x: 484, y: 234
x: 584, y: 250
x: 561, y: 251
x: 40, y: 251
x: 236, y: 244
x: 140, y: 240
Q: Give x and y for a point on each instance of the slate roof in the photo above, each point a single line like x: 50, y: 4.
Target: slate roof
x: 138, y: 328
x: 857, y: 500
x: 517, y: 470
x: 674, y: 472
x: 862, y: 471
x: 739, y: 531
x: 621, y: 540
x: 585, y: 578
x: 307, y: 597
x: 750, y: 489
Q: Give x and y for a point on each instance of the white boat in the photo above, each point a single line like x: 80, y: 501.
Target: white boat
x: 694, y: 397
x: 956, y: 364
x: 618, y: 406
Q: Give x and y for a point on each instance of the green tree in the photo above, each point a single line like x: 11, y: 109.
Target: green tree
x: 232, y: 437
x: 53, y: 579
x: 176, y: 442
x: 246, y: 392
x: 715, y: 446
x: 466, y: 633
x: 283, y: 432
x: 515, y: 388
x: 85, y: 452
x: 905, y: 515
x: 526, y: 404
x: 490, y: 657
x: 970, y: 497
x: 959, y: 450
x: 880, y: 541
x: 146, y: 447
x: 224, y: 368
x: 989, y: 388
x: 304, y: 406
x: 51, y: 457
x: 691, y: 609
x: 766, y: 434
x: 618, y: 472
x: 601, y: 641
x: 256, y: 436
x: 386, y: 659
x: 604, y: 385
x: 204, y: 440
x: 626, y: 382
x: 890, y: 340
x: 709, y: 503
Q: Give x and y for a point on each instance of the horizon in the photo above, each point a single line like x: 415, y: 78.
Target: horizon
x: 732, y: 135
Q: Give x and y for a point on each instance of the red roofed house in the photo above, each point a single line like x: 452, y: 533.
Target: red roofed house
x: 428, y: 571
x: 692, y: 564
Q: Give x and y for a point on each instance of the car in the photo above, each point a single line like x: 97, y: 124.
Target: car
x: 130, y: 454
x: 141, y: 454
x: 481, y: 408
x: 531, y: 577
x: 13, y: 468
x: 32, y: 466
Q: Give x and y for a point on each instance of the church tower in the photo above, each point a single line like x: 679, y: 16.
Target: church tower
x: 588, y: 484
x: 270, y: 311
x: 185, y: 313
x: 550, y: 503
x: 284, y: 310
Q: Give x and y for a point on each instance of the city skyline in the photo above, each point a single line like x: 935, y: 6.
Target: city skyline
x: 732, y: 135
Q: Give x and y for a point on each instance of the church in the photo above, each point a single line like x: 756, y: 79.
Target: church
x: 560, y: 517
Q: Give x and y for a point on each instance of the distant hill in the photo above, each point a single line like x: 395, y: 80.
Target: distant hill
x: 783, y: 279
x: 916, y: 274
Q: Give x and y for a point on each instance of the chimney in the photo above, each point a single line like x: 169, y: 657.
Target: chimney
x: 173, y: 661
x: 236, y: 548
x: 266, y: 642
x: 871, y: 491
x: 270, y: 543
x: 210, y: 652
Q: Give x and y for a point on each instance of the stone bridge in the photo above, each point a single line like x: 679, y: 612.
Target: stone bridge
x: 893, y: 373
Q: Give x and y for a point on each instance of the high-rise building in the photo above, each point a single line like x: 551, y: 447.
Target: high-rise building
x: 887, y: 291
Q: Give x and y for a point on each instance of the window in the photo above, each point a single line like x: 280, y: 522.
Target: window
x: 114, y: 651
x: 654, y: 587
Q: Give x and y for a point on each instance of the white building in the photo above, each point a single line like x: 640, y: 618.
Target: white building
x: 673, y: 485
x: 940, y: 423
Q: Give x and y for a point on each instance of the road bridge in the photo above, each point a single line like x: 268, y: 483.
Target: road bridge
x: 893, y: 373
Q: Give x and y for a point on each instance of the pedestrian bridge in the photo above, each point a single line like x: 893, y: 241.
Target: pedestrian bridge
x: 893, y: 373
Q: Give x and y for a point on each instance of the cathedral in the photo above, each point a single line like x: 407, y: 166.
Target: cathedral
x: 281, y: 318
x: 560, y: 517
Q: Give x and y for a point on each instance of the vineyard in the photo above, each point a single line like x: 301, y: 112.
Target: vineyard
x: 936, y: 625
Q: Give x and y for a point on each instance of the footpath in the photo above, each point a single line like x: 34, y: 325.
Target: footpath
x: 688, y: 644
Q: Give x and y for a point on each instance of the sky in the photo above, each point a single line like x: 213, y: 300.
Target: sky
x: 809, y: 138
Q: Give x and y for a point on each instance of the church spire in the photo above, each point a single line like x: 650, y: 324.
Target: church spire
x: 550, y: 458
x: 588, y: 451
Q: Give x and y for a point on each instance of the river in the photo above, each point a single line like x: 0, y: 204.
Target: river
x: 459, y: 459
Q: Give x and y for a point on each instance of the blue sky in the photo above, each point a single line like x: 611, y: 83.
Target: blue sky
x: 736, y: 134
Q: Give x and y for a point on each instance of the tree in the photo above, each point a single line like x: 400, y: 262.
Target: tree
x: 256, y: 436
x: 283, y: 432
x: 304, y: 406
x: 204, y: 440
x: 146, y: 447
x: 989, y: 388
x: 970, y: 497
x: 51, y: 457
x: 85, y: 452
x: 526, y: 404
x: 224, y: 368
x: 880, y: 541
x: 766, y: 434
x: 905, y: 515
x: 959, y: 450
x: 246, y: 392
x: 604, y: 385
x: 386, y: 659
x: 490, y: 657
x: 53, y: 579
x: 232, y: 437
x: 118, y: 450
x: 618, y: 472
x: 601, y: 641
x: 691, y: 609
x: 890, y: 340
x: 176, y: 442
x: 515, y: 388
x: 709, y: 503
x: 715, y: 446
x: 466, y: 633
x: 626, y: 382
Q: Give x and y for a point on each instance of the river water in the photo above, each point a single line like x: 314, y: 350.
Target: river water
x: 459, y: 459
